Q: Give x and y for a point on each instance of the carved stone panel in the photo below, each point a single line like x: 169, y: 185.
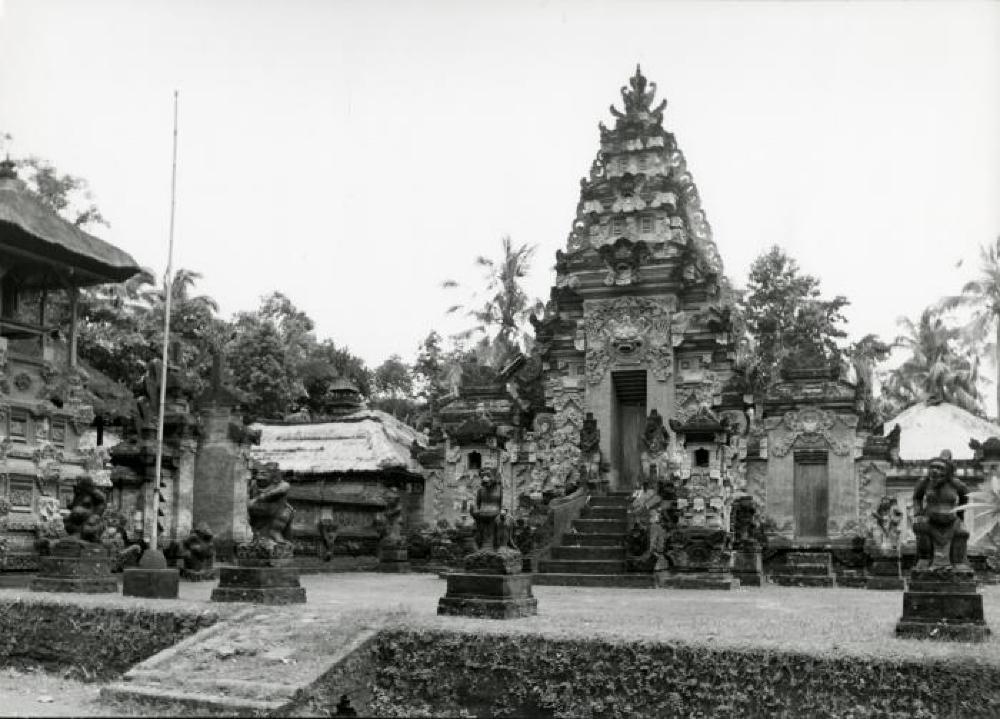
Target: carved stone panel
x: 628, y: 330
x: 809, y: 426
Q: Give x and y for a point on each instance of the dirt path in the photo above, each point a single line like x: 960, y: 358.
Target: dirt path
x: 37, y: 694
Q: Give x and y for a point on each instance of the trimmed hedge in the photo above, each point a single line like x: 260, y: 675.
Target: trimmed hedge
x: 89, y: 642
x: 433, y: 673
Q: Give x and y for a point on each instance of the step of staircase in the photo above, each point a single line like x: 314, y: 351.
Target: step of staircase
x: 600, y: 526
x: 594, y: 580
x: 578, y: 553
x: 802, y: 580
x: 581, y: 566
x: 594, y: 539
x: 619, y: 513
x: 622, y: 502
x: 804, y: 569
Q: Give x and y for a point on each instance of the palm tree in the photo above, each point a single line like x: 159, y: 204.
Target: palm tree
x: 506, y: 307
x: 983, y: 296
x: 935, y: 370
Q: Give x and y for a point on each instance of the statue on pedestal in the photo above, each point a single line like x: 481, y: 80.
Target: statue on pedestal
x: 269, y: 510
x: 941, y: 533
x: 886, y: 524
x: 743, y: 523
x: 265, y: 571
x: 654, y: 445
x: 486, y: 513
x: 85, y: 522
x: 198, y: 553
x: 590, y: 449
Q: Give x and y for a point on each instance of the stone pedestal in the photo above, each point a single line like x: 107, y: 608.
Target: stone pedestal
x: 75, y: 566
x: 885, y: 573
x: 947, y: 607
x: 393, y: 559
x: 152, y: 578
x: 748, y: 568
x: 698, y: 559
x: 491, y: 586
x: 264, y: 575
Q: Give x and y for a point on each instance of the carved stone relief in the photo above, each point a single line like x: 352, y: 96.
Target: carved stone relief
x: 810, y: 426
x: 628, y: 330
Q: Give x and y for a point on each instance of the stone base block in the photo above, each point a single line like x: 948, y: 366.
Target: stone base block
x: 156, y: 583
x: 391, y: 554
x: 697, y: 580
x: 75, y: 566
x: 972, y: 632
x: 488, y: 608
x: 200, y: 575
x: 802, y: 580
x: 392, y: 567
x: 495, y: 596
x: 79, y: 585
x: 853, y: 578
x: 749, y: 579
x: 261, y: 585
x: 895, y: 584
x: 260, y: 595
x: 942, y: 607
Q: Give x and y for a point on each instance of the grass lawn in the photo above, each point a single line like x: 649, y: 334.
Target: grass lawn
x: 831, y: 622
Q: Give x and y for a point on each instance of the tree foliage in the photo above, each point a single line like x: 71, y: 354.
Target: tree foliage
x: 784, y: 312
x: 501, y: 316
x: 982, y: 296
x: 937, y: 368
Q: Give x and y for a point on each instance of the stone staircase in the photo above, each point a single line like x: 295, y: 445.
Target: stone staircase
x: 592, y: 553
x: 804, y: 569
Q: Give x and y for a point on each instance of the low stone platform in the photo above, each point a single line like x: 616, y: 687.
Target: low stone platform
x: 947, y: 607
x: 264, y: 575
x: 261, y: 585
x: 697, y: 580
x: 75, y: 566
x: 492, y: 586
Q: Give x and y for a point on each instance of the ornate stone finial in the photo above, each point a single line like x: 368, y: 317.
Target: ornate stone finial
x: 637, y: 101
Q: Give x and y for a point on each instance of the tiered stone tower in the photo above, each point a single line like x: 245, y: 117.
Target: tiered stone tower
x: 640, y: 319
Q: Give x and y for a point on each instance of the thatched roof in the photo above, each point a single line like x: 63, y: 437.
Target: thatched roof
x: 926, y: 429
x: 365, y: 441
x: 28, y: 225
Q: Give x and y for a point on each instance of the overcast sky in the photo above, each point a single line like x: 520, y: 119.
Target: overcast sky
x: 354, y: 155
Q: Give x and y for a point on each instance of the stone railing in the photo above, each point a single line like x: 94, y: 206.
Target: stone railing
x: 562, y: 512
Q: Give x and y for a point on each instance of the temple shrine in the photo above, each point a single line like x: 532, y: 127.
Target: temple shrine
x: 46, y: 401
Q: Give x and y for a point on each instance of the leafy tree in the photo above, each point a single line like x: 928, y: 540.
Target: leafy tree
x: 69, y: 195
x: 324, y: 363
x: 394, y: 378
x: 936, y: 368
x: 784, y: 312
x: 983, y: 296
x: 865, y: 355
x: 277, y: 360
x: 501, y: 316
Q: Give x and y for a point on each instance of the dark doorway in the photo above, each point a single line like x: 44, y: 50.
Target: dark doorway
x: 812, y: 494
x: 630, y: 392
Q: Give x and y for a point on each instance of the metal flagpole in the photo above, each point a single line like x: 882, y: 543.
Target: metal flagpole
x: 167, y: 294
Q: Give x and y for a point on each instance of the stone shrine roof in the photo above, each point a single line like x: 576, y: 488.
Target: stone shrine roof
x: 365, y: 441
x: 926, y: 429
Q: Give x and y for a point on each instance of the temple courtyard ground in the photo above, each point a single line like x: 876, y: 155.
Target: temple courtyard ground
x: 837, y: 622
